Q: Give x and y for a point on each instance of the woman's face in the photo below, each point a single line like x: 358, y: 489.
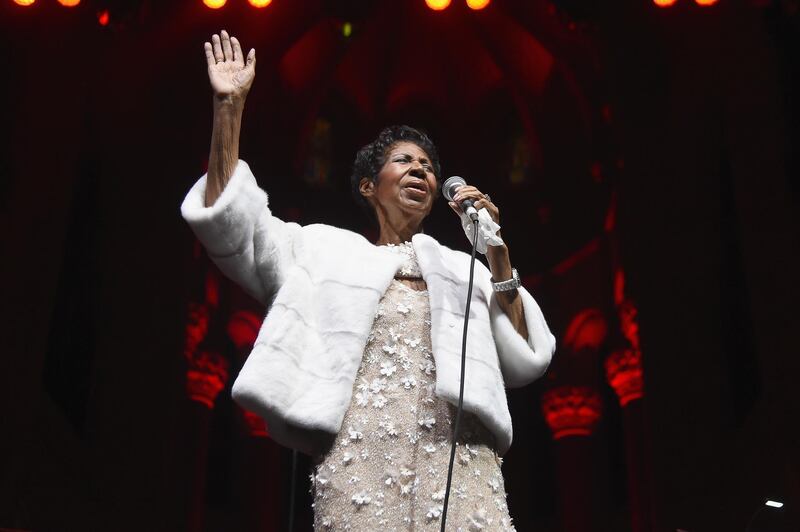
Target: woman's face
x: 406, y: 185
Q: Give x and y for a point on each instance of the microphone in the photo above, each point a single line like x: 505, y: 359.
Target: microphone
x: 449, y: 188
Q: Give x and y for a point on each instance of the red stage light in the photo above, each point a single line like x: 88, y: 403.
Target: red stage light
x: 69, y: 3
x: 103, y: 17
x: 705, y: 2
x: 437, y: 5
x: 214, y: 4
x: 260, y: 3
x: 24, y: 2
x: 664, y: 3
x: 477, y: 4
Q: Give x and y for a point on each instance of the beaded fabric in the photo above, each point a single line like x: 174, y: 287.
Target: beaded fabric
x: 387, y: 469
x: 409, y: 269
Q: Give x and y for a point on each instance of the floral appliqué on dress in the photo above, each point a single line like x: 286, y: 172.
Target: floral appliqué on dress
x: 387, y: 469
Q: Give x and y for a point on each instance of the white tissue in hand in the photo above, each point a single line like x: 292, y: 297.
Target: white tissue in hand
x: 487, y: 229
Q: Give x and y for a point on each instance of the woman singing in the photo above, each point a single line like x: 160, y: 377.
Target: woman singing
x: 358, y: 359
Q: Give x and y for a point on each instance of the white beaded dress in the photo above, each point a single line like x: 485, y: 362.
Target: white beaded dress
x: 387, y: 468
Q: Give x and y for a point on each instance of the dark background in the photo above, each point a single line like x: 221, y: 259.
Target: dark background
x: 684, y: 118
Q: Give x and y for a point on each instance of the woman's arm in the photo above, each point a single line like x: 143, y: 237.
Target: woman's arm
x: 226, y: 208
x: 499, y: 261
x: 224, y: 152
x: 231, y: 76
x: 510, y: 302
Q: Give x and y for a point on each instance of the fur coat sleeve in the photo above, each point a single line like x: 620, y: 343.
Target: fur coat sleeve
x: 522, y: 361
x: 248, y: 244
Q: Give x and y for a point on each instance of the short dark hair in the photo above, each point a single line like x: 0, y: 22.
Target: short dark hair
x: 371, y: 158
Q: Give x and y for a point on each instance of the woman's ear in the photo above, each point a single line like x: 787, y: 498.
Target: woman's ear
x: 366, y: 186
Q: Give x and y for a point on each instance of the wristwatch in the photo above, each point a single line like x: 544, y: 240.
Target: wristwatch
x: 511, y: 284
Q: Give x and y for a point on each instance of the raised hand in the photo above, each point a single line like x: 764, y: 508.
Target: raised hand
x: 230, y: 73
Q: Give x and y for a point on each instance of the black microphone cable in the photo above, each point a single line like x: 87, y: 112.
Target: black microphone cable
x: 463, y: 369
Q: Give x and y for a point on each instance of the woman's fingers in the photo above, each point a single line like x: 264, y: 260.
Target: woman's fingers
x: 479, y: 201
x: 226, y: 46
x: 209, y: 54
x: 468, y: 192
x: 238, y: 57
x: 217, y: 48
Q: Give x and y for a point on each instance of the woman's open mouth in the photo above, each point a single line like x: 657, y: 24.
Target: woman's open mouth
x: 417, y: 188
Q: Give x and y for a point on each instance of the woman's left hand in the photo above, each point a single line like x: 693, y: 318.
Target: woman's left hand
x: 479, y: 201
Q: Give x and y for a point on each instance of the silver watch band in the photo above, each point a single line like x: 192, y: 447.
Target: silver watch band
x: 511, y: 284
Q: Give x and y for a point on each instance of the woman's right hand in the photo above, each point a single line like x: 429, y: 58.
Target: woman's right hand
x: 230, y: 74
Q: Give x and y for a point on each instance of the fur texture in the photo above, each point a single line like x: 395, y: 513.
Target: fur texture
x: 322, y: 286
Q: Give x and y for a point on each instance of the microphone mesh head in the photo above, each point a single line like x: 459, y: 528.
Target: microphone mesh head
x: 452, y: 184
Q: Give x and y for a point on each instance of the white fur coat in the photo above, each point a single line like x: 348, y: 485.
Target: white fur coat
x: 322, y: 286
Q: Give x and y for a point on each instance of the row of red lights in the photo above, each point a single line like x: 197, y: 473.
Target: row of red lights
x: 436, y: 5
x: 213, y: 4
x: 216, y: 4
x: 66, y: 3
x: 670, y: 3
x: 103, y: 17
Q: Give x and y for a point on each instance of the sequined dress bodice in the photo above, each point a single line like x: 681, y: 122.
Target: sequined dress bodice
x: 387, y: 468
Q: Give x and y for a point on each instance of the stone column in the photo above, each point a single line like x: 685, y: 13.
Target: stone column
x: 572, y: 413
x: 206, y: 376
x: 624, y: 374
